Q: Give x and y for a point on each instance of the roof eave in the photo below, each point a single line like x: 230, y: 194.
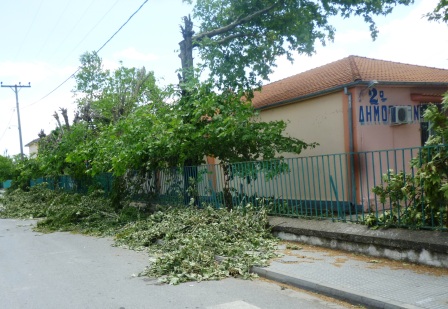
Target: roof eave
x: 352, y: 84
x: 34, y: 141
x: 312, y: 95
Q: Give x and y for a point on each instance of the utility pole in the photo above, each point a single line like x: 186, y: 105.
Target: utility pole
x: 16, y: 89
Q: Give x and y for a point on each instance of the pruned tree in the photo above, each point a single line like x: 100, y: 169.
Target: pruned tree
x: 56, y: 116
x: 41, y: 133
x: 239, y: 41
x: 64, y: 113
x: 103, y: 96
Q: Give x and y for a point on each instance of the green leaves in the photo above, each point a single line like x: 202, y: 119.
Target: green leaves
x: 239, y: 41
x: 59, y: 211
x: 159, y: 135
x: 186, y: 241
x: 6, y: 168
x: 104, y: 97
x: 440, y: 12
x: 126, y: 123
x: 227, y: 127
x: 115, y: 110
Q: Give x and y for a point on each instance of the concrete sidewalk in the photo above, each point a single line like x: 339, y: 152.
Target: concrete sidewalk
x: 374, y: 282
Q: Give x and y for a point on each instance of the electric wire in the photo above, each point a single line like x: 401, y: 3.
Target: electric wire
x: 116, y: 32
x: 77, y: 23
x: 90, y: 31
x: 29, y: 29
x: 97, y: 51
x: 50, y: 34
x: 7, y: 126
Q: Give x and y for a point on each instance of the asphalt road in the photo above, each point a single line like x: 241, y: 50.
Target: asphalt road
x: 62, y: 270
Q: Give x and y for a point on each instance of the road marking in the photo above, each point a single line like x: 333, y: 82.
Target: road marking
x: 239, y: 304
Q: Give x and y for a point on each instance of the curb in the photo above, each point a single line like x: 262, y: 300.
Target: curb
x: 338, y: 293
x: 415, y: 246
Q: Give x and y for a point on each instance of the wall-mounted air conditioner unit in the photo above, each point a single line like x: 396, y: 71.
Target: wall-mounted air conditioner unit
x: 400, y: 114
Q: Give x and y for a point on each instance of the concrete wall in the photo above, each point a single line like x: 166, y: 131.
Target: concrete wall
x: 316, y: 120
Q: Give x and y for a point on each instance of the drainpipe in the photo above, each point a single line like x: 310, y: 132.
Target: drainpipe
x: 351, y: 146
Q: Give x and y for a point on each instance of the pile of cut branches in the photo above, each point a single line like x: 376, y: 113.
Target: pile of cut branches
x: 187, y: 242
x: 184, y: 243
x: 61, y: 211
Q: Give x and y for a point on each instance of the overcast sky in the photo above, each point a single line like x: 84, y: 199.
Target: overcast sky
x: 42, y: 40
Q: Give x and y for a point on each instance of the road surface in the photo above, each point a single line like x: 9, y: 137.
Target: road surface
x: 63, y: 270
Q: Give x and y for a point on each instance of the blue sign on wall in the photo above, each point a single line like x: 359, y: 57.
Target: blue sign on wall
x: 377, y: 113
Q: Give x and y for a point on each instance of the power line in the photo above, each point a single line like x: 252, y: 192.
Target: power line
x: 98, y: 50
x: 130, y: 17
x: 29, y: 28
x: 7, y: 126
x: 90, y: 31
x: 50, y: 34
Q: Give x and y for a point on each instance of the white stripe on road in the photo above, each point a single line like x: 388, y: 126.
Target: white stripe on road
x: 239, y: 304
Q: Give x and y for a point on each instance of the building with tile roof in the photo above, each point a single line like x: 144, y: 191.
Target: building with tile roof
x: 355, y: 107
x: 349, y: 72
x: 358, y: 97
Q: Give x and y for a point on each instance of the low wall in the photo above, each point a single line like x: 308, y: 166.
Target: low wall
x: 416, y: 246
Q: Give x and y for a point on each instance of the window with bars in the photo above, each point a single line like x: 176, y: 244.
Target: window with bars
x: 425, y: 126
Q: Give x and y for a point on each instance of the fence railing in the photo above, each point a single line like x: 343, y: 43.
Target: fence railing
x: 6, y: 184
x: 82, y: 185
x: 336, y: 186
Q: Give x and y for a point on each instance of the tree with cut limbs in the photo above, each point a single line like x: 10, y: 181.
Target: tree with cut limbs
x: 240, y: 40
x: 238, y: 43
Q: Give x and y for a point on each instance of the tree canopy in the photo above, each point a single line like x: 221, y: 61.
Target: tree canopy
x: 440, y: 12
x: 6, y: 168
x: 125, y: 121
x: 239, y: 41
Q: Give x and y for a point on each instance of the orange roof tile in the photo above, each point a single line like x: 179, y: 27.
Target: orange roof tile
x: 348, y: 71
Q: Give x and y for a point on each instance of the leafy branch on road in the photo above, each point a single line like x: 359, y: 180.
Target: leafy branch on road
x: 183, y: 242
x: 186, y: 241
x: 58, y: 211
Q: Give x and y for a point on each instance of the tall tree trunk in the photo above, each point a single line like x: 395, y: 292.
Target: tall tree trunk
x: 65, y: 116
x: 190, y: 169
x: 186, y: 51
x: 228, y: 199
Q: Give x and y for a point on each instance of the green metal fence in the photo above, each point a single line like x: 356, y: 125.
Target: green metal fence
x: 314, y: 187
x: 336, y: 186
x: 76, y: 185
x: 7, y: 184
